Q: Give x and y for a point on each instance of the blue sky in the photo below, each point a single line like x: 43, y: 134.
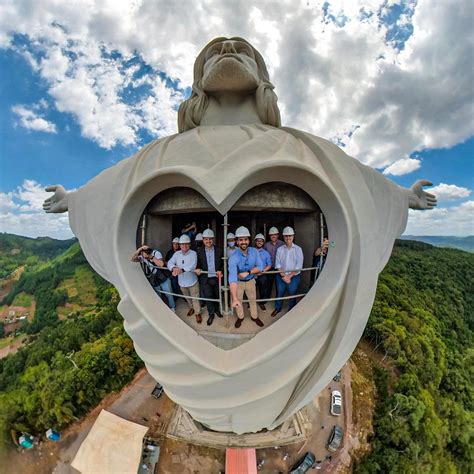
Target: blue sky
x: 84, y: 87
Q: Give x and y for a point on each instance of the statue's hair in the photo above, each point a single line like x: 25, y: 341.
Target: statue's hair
x: 191, y: 110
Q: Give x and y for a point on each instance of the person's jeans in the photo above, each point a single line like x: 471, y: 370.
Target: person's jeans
x: 175, y: 285
x: 282, y: 287
x: 166, y: 286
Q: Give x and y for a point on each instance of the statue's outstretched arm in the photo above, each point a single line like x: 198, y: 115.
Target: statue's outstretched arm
x: 420, y: 199
x: 58, y: 202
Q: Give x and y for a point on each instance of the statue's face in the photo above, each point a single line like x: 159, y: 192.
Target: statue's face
x: 230, y: 66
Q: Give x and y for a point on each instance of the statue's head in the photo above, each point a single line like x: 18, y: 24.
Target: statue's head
x: 229, y: 65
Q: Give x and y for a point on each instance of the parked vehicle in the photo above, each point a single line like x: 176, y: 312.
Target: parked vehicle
x: 335, y: 439
x: 157, y: 391
x: 336, y: 403
x: 304, y: 464
x: 337, y: 377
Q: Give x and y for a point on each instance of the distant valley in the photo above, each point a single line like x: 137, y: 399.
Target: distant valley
x: 461, y: 243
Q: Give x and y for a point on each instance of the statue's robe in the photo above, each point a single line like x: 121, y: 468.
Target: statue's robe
x: 265, y: 380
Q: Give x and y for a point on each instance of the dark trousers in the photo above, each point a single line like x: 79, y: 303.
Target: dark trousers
x: 175, y: 285
x: 262, y: 288
x: 210, y: 289
x: 270, y: 281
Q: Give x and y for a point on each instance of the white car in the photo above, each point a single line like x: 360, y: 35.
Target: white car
x: 336, y: 403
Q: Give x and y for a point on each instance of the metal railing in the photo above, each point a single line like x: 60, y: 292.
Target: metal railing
x: 224, y: 289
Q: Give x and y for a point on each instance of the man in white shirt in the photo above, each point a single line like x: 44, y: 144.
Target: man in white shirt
x: 289, y: 260
x: 182, y: 264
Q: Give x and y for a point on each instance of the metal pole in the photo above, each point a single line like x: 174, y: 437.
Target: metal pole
x: 321, y: 257
x: 143, y: 229
x: 225, y: 287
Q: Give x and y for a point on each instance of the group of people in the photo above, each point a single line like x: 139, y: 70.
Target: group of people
x: 197, y: 274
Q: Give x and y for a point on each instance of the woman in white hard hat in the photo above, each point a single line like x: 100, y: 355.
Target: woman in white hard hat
x: 198, y: 241
x: 231, y: 248
x: 182, y: 264
x: 289, y: 260
x: 151, y: 261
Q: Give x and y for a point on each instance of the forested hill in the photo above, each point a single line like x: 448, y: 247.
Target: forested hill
x: 74, y: 348
x: 16, y: 250
x: 422, y: 324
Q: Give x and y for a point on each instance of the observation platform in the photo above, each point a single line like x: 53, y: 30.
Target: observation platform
x: 222, y: 332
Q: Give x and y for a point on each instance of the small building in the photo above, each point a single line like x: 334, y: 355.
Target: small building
x: 113, y: 445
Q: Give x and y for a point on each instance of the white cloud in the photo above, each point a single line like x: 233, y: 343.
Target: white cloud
x: 22, y: 213
x: 30, y: 120
x: 403, y: 166
x: 457, y: 220
x: 6, y: 203
x: 449, y: 192
x: 336, y: 74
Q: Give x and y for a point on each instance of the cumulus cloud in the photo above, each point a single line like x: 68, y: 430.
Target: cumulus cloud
x: 457, y: 220
x: 31, y: 120
x: 403, y: 166
x: 21, y: 213
x: 347, y: 71
x: 449, y: 192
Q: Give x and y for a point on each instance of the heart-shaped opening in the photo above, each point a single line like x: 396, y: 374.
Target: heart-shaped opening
x: 183, y: 210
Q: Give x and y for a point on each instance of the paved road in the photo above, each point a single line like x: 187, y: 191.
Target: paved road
x: 282, y: 458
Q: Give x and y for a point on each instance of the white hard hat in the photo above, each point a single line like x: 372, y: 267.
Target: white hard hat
x: 288, y: 231
x: 198, y: 236
x: 259, y: 236
x: 242, y: 232
x: 184, y: 239
x: 273, y: 230
x: 176, y: 240
x: 208, y: 233
x: 230, y: 235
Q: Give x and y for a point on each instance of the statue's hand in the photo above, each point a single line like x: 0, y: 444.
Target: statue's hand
x: 58, y: 202
x: 420, y: 199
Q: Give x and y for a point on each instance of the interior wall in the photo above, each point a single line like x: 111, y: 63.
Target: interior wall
x: 159, y: 232
x: 307, y: 237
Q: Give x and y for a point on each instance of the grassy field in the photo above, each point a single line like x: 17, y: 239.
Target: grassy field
x: 6, y: 341
x: 22, y: 299
x: 80, y: 290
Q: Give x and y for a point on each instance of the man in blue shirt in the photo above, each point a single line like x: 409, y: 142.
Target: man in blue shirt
x: 244, y: 264
x: 261, y: 280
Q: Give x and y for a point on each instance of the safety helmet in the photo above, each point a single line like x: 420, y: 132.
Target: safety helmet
x: 184, y: 239
x: 242, y: 232
x: 273, y: 230
x: 208, y: 233
x: 288, y: 231
x: 230, y: 235
x: 259, y: 236
x: 175, y: 240
x: 198, y: 237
